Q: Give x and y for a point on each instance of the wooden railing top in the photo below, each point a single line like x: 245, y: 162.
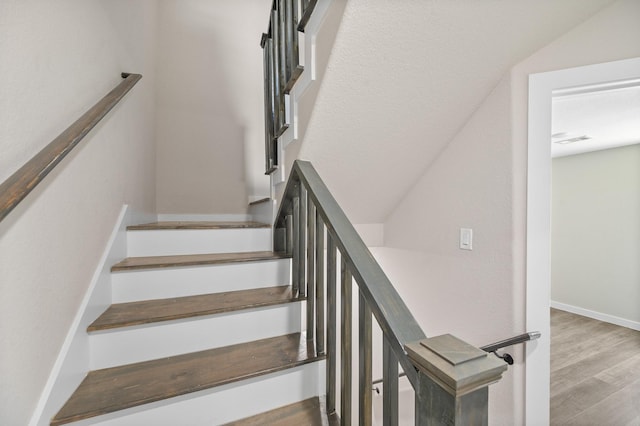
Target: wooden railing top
x: 26, y: 178
x: 393, y: 316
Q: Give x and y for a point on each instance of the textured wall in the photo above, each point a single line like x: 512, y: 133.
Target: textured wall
x: 479, y: 181
x: 608, y: 36
x: 210, y: 106
x: 58, y: 59
x: 466, y: 293
x: 405, y: 76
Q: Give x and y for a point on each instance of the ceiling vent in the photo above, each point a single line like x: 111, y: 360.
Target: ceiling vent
x: 563, y: 139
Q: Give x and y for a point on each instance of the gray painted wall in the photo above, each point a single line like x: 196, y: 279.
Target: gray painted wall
x: 595, y: 239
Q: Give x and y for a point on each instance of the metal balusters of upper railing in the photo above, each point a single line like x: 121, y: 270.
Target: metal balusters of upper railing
x: 281, y: 64
x: 450, y: 377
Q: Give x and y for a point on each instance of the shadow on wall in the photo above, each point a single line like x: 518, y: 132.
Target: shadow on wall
x: 200, y: 137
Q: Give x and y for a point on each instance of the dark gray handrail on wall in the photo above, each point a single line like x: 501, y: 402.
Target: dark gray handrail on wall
x: 21, y: 183
x: 449, y: 376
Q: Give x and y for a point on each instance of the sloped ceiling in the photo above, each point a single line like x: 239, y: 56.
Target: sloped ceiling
x: 404, y: 77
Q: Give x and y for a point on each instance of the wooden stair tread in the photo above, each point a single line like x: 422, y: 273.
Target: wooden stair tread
x: 150, y: 311
x: 117, y: 388
x: 196, y: 225
x: 308, y: 413
x: 150, y: 262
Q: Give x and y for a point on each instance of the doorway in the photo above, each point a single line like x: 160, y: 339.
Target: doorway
x: 538, y: 275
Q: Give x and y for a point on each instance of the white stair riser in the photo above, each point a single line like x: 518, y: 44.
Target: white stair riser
x: 224, y: 403
x: 146, y: 284
x: 110, y: 348
x: 197, y: 241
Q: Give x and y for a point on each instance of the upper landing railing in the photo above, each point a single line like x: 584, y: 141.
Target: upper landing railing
x: 280, y: 46
x: 22, y: 182
x: 449, y: 376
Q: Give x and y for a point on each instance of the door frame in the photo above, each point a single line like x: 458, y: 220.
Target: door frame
x: 538, y: 257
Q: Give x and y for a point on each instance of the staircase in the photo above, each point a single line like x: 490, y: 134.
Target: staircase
x: 203, y: 329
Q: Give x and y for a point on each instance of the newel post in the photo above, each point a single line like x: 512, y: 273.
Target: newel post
x: 453, y: 381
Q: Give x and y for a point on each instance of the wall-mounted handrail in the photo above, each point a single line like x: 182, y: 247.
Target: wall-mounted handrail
x: 521, y: 338
x: 442, y: 368
x: 21, y: 183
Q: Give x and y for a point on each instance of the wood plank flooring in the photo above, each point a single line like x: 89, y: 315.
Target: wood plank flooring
x: 595, y: 372
x: 196, y: 225
x: 151, y: 311
x: 309, y: 412
x: 151, y: 262
x: 112, y: 389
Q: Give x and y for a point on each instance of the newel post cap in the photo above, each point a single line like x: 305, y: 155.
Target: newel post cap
x: 456, y: 366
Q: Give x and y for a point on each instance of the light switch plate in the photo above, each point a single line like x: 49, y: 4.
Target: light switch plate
x: 466, y: 238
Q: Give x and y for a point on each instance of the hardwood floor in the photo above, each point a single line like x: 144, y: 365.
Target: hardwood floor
x: 595, y: 372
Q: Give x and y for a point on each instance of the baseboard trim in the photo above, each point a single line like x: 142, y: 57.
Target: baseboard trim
x: 634, y: 325
x: 72, y: 363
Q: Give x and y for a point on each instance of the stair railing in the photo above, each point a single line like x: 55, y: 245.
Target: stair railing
x: 281, y: 65
x: 21, y: 183
x: 449, y: 376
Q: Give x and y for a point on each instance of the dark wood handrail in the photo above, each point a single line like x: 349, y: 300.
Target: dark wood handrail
x: 21, y: 183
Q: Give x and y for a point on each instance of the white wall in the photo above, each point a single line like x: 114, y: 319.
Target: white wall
x: 58, y: 59
x: 609, y: 36
x: 479, y: 182
x: 210, y: 106
x: 322, y: 43
x: 402, y: 80
x: 595, y: 237
x: 466, y: 293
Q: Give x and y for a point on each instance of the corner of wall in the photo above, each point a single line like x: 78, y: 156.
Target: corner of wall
x: 73, y: 362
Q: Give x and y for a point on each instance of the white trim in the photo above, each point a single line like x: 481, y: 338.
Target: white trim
x: 163, y: 217
x: 308, y: 76
x: 161, y: 242
x: 72, y: 363
x: 263, y: 212
x: 538, y: 276
x: 611, y: 319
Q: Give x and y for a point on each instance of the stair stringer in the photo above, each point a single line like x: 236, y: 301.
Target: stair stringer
x: 73, y: 361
